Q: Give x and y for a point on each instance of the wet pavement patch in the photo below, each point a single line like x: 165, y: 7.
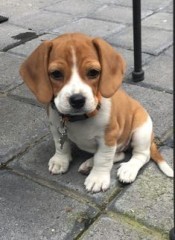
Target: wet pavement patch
x: 3, y: 19
x: 25, y: 36
x: 21, y: 38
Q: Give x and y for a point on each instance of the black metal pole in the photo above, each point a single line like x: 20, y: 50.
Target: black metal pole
x: 172, y: 231
x: 138, y: 73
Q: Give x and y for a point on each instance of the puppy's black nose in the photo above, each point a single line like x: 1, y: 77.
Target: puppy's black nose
x: 77, y: 101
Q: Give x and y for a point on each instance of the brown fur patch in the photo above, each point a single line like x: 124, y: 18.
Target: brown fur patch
x: 126, y: 115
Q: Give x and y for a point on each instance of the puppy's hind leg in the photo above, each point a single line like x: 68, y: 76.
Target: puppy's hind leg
x: 86, y: 166
x: 119, y: 156
x: 141, y: 142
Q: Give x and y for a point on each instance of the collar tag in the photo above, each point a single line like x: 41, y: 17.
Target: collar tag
x: 63, y: 132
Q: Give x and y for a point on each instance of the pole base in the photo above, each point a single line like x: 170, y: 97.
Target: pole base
x: 172, y: 234
x: 138, y: 76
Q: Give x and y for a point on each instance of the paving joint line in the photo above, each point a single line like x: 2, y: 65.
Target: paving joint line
x: 25, y: 100
x: 137, y: 221
x: 88, y: 224
x: 128, y: 80
x: 23, y: 151
x: 51, y: 184
x: 54, y: 187
x: 100, y: 19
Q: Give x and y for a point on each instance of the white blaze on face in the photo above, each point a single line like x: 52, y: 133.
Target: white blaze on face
x: 75, y: 86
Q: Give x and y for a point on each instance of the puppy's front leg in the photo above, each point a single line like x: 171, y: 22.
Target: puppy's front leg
x: 59, y: 163
x: 99, y: 177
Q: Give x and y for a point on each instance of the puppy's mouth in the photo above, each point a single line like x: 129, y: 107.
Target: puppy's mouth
x: 76, y: 104
x: 80, y: 111
x: 76, y: 111
x: 69, y: 110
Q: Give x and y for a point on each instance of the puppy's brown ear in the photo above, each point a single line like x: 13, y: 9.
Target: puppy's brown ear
x: 34, y: 72
x: 113, y: 67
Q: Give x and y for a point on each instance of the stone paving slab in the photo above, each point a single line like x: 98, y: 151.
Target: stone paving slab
x: 169, y: 9
x: 35, y: 163
x: 170, y: 141
x: 159, y: 20
x: 168, y: 138
x: 76, y: 8
x: 23, y: 93
x: 169, y: 52
x: 155, y: 5
x: 9, y: 68
x: 43, y: 21
x: 91, y: 27
x: 149, y: 199
x: 31, y: 211
x: 116, y: 14
x: 13, y: 9
x: 154, y: 41
x: 21, y: 124
x: 149, y: 4
x: 119, y: 228
x: 9, y: 34
x: 128, y: 56
x: 158, y: 73
x: 156, y: 104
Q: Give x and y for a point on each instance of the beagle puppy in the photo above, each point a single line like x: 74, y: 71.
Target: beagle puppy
x: 79, y: 78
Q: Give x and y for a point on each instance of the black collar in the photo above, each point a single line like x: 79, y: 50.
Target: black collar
x: 75, y: 118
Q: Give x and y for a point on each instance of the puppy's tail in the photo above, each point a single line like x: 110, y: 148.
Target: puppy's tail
x: 163, y: 165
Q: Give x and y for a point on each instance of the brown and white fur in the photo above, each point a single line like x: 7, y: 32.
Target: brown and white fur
x: 121, y: 121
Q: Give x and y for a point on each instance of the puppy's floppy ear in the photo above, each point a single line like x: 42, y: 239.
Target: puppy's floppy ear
x: 113, y: 67
x: 34, y: 72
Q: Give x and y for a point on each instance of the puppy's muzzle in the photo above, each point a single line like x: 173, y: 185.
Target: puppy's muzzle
x: 77, y: 101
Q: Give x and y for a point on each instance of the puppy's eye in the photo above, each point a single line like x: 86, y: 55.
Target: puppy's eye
x: 93, y: 73
x: 57, y: 75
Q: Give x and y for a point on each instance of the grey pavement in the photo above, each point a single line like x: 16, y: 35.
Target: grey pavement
x: 35, y: 205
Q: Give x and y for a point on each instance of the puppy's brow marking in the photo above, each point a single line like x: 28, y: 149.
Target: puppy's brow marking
x: 76, y: 81
x: 74, y: 60
x: 75, y: 76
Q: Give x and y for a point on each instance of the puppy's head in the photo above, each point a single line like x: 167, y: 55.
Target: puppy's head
x: 74, y: 69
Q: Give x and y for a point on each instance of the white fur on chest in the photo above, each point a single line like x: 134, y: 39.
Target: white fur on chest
x: 86, y: 133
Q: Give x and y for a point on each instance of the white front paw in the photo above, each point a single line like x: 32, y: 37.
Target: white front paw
x: 127, y: 172
x: 58, y: 164
x: 97, y: 181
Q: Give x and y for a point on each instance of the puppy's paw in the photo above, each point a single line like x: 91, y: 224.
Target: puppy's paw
x: 97, y: 181
x: 58, y: 164
x: 127, y: 172
x: 86, y: 166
